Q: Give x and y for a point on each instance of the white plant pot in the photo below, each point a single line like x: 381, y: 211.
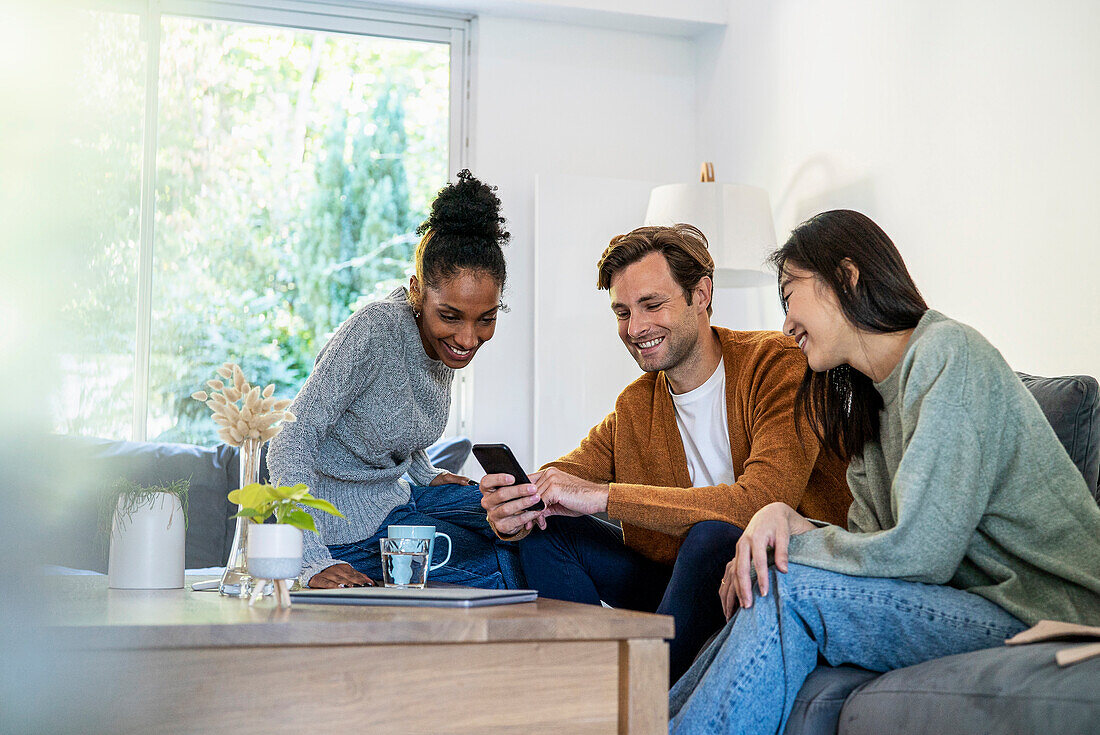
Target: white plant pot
x: 147, y: 545
x: 274, y: 551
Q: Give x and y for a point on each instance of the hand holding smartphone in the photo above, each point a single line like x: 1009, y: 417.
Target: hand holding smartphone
x: 498, y: 459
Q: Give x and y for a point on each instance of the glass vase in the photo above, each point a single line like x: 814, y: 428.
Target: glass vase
x: 236, y: 581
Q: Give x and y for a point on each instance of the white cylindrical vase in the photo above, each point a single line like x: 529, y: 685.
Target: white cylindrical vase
x: 274, y: 551
x: 147, y: 544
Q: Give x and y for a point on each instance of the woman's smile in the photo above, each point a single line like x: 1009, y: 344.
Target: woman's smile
x: 458, y: 317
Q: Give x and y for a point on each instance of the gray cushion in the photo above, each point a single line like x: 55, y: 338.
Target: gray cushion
x: 213, y: 472
x: 999, y: 690
x: 104, y: 462
x: 450, y: 454
x: 817, y: 707
x: 1072, y: 406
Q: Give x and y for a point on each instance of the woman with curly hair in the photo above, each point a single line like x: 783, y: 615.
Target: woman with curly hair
x: 380, y: 392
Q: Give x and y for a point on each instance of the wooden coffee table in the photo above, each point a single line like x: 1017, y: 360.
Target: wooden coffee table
x: 182, y: 661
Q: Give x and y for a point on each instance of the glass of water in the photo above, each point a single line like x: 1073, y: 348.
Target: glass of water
x: 405, y: 562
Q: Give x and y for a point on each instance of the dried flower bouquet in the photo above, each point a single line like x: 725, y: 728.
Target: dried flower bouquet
x: 259, y: 415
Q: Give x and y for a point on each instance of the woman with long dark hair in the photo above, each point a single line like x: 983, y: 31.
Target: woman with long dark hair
x: 380, y: 393
x: 969, y: 521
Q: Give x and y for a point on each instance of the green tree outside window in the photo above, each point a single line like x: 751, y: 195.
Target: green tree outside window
x: 292, y: 170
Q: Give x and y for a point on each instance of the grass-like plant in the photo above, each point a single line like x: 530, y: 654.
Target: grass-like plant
x: 134, y: 497
x: 259, y: 501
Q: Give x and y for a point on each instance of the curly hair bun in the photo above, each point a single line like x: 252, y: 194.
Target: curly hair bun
x: 467, y: 208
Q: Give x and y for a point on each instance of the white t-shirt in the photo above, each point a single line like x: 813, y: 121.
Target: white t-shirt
x: 704, y: 429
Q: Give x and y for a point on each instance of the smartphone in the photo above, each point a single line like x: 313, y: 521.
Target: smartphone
x: 498, y: 459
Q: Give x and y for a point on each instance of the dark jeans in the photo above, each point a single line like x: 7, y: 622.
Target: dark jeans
x: 478, y: 557
x: 584, y: 560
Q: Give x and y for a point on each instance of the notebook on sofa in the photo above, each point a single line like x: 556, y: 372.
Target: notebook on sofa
x: 427, y: 597
x: 1051, y: 630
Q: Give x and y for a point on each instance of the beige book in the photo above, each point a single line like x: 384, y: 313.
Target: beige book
x: 1052, y: 630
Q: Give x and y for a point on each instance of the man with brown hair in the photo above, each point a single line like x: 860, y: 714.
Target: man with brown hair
x: 695, y: 446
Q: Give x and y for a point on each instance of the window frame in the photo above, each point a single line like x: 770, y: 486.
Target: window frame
x: 333, y: 16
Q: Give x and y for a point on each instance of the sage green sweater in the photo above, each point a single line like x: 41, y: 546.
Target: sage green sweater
x: 968, y: 486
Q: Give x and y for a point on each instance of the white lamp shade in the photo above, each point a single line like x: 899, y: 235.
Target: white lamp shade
x: 736, y: 219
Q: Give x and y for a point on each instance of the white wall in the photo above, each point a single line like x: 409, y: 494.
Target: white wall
x: 561, y: 99
x: 968, y: 130
x: 571, y: 395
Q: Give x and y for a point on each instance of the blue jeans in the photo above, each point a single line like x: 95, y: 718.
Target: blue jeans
x: 478, y: 557
x: 747, y: 679
x: 584, y: 560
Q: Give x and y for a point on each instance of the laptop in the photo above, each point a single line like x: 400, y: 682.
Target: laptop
x: 427, y: 597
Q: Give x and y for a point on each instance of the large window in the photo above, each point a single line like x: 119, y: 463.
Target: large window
x: 255, y: 177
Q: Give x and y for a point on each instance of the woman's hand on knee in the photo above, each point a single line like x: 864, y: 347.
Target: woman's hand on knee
x: 339, y: 575
x: 448, y: 478
x: 770, y: 528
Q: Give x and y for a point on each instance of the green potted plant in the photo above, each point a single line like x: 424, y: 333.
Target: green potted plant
x: 274, y: 550
x: 147, y: 526
x: 247, y: 416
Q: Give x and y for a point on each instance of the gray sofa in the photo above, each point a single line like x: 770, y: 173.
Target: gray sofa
x: 213, y: 472
x: 1000, y: 690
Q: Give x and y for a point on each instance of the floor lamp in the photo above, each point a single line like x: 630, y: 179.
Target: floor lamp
x: 737, y: 221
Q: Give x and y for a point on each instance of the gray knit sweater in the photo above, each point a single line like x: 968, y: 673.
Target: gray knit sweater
x: 968, y: 486
x: 373, y: 402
